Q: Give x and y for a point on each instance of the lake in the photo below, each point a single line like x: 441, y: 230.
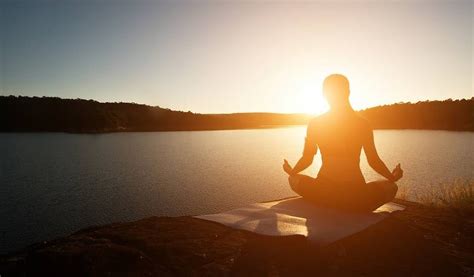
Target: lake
x: 52, y: 184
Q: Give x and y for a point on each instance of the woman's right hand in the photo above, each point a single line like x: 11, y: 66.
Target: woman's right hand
x: 397, y: 173
x: 287, y: 167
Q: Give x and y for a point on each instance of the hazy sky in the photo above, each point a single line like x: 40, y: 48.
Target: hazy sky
x: 214, y: 57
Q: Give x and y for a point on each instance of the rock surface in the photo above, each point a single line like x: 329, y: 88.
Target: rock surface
x: 419, y: 241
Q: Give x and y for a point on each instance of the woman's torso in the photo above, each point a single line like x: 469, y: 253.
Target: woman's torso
x: 340, y: 138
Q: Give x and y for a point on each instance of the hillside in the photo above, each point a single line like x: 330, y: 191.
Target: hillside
x: 50, y: 114
x: 37, y: 114
x: 455, y: 115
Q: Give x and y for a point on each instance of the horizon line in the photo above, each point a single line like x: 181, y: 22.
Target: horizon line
x: 255, y: 112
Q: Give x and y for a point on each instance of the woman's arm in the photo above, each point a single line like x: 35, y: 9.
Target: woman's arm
x: 303, y: 163
x: 310, y: 149
x: 376, y: 163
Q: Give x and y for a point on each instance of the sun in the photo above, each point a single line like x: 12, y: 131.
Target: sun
x: 311, y: 99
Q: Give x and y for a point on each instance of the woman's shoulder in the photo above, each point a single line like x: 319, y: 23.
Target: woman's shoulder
x: 318, y: 120
x: 362, y: 120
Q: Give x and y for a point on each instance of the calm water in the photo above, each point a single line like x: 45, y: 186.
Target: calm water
x: 54, y: 184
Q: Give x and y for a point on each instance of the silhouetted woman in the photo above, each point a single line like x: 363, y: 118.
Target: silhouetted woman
x: 340, y: 134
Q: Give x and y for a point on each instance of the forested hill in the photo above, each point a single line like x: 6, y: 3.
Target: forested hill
x: 50, y: 114
x: 455, y: 115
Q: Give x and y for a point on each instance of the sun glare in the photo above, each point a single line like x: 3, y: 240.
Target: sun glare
x: 312, y: 99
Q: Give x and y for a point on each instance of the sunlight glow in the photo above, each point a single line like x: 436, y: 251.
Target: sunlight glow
x: 312, y: 99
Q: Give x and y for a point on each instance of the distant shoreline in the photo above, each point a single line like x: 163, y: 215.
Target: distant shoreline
x: 50, y: 114
x: 209, y: 130
x: 160, y: 131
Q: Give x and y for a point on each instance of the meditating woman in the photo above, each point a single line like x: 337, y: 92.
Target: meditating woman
x: 340, y: 134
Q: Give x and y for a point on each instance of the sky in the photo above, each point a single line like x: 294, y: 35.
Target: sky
x: 236, y: 56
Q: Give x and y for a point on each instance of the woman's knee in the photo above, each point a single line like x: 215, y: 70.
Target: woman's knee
x: 294, y: 180
x: 391, y: 189
x: 387, y: 190
x: 300, y: 183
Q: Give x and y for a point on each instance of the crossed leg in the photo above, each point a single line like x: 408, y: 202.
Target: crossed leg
x: 300, y: 183
x: 375, y: 194
x: 311, y: 189
x: 381, y: 191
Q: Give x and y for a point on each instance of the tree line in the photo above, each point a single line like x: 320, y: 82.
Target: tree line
x: 52, y: 114
x: 454, y: 115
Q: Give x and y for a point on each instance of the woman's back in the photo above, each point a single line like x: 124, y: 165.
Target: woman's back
x: 340, y: 137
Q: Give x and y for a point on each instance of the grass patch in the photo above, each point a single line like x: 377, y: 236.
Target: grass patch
x: 457, y: 195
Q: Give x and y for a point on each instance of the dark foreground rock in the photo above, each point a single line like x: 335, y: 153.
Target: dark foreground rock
x: 416, y: 242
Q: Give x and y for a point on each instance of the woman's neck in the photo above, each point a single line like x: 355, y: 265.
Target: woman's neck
x: 343, y: 108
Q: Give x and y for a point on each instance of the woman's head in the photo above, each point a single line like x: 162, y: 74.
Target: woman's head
x: 336, y: 90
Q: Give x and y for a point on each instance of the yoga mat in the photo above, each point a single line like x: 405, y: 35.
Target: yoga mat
x: 295, y: 216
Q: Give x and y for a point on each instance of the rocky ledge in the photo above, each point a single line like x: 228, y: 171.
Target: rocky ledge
x: 419, y: 241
